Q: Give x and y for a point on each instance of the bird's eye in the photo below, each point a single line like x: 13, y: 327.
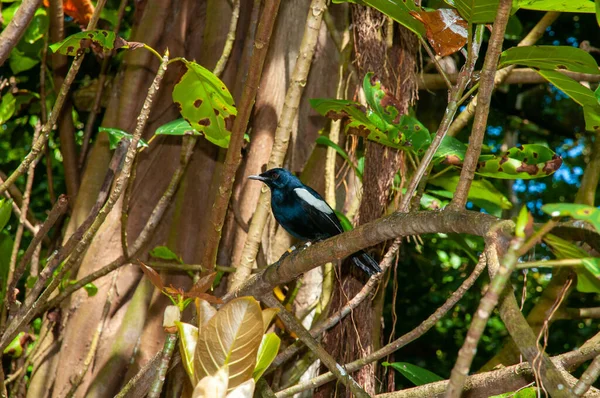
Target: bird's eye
x: 274, y: 176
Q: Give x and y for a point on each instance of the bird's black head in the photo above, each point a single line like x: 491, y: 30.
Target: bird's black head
x: 277, y: 178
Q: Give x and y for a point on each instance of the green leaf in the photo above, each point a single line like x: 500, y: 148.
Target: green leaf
x: 205, y: 102
x: 592, y: 264
x: 269, y: 346
x: 15, y: 348
x: 417, y: 375
x: 37, y: 27
x: 525, y: 162
x: 176, y: 127
x: 163, y: 252
x: 477, y: 11
x: 399, y: 10
x: 19, y: 62
x: 6, y: 244
x: 587, y: 282
x: 529, y: 392
x: 555, y: 5
x: 550, y: 57
x: 384, y: 104
x: 188, y: 338
x: 116, y: 135
x: 451, y: 151
x: 91, y: 289
x: 579, y: 212
x: 7, y: 107
x: 480, y: 190
x: 78, y: 42
x: 514, y: 28
x: 346, y: 224
x: 322, y: 140
x: 5, y: 212
x: 524, y: 221
x: 598, y: 12
x: 578, y: 93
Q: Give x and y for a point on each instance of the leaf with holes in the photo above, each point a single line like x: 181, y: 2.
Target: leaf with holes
x: 585, y: 6
x: 446, y: 29
x: 476, y: 11
x: 176, y: 127
x: 231, y: 337
x: 550, y: 57
x: 205, y: 103
x: 586, y: 213
x: 525, y: 161
x: 417, y: 375
x: 340, y: 109
x: 116, y: 135
x: 381, y: 101
x: 451, y: 151
x: 102, y: 41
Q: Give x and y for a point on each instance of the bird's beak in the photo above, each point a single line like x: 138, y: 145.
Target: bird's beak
x: 259, y: 178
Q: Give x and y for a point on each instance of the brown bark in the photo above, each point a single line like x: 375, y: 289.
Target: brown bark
x: 347, y: 341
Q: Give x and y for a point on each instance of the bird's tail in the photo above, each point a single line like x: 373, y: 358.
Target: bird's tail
x: 366, y: 263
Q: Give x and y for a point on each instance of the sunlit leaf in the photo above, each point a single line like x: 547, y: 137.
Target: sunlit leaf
x: 231, y: 337
x: 555, y: 5
x: 551, y: 58
x: 188, y: 337
x: 477, y: 11
x: 164, y: 253
x: 17, y: 346
x: 529, y: 392
x: 417, y: 375
x: 213, y: 386
x: 524, y: 161
x: 579, y: 212
x: 90, y: 289
x: 269, y: 347
x: 524, y: 224
x: 115, y: 135
x: 381, y: 101
x: 339, y: 109
x: 7, y: 107
x: 37, y: 27
x: 102, y: 41
x: 176, y: 127
x: 446, y: 30
x: 205, y: 103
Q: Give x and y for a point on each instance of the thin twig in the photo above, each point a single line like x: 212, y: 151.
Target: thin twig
x: 167, y: 353
x: 439, y: 67
x: 294, y: 325
x: 282, y: 135
x: 486, y: 88
x: 222, y: 62
x: 398, y: 343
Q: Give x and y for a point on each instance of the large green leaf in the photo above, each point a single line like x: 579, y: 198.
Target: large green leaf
x: 550, y: 57
x: 481, y: 190
x: 115, y: 135
x: 20, y: 62
x: 231, y: 337
x: 399, y: 10
x: 578, y: 93
x: 99, y: 39
x: 555, y: 5
x: 267, y: 352
x: 477, y: 11
x: 205, y: 103
x: 417, y: 375
x: 586, y: 213
x: 188, y: 338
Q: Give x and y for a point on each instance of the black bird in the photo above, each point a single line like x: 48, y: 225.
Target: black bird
x: 305, y: 215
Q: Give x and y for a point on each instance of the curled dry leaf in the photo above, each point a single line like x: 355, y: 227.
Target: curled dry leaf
x: 446, y: 30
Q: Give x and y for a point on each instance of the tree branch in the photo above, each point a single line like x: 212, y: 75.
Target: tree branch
x: 11, y: 35
x: 222, y: 62
x: 481, y: 114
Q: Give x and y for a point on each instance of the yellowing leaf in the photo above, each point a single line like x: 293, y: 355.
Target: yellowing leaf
x: 232, y: 338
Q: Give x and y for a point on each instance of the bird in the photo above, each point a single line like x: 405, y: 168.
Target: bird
x: 305, y: 215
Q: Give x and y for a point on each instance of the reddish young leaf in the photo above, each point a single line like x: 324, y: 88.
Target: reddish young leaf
x: 153, y: 276
x: 446, y: 30
x: 80, y: 10
x: 174, y: 291
x: 202, y: 285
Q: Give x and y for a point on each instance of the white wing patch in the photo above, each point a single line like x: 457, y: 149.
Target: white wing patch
x: 315, y: 202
